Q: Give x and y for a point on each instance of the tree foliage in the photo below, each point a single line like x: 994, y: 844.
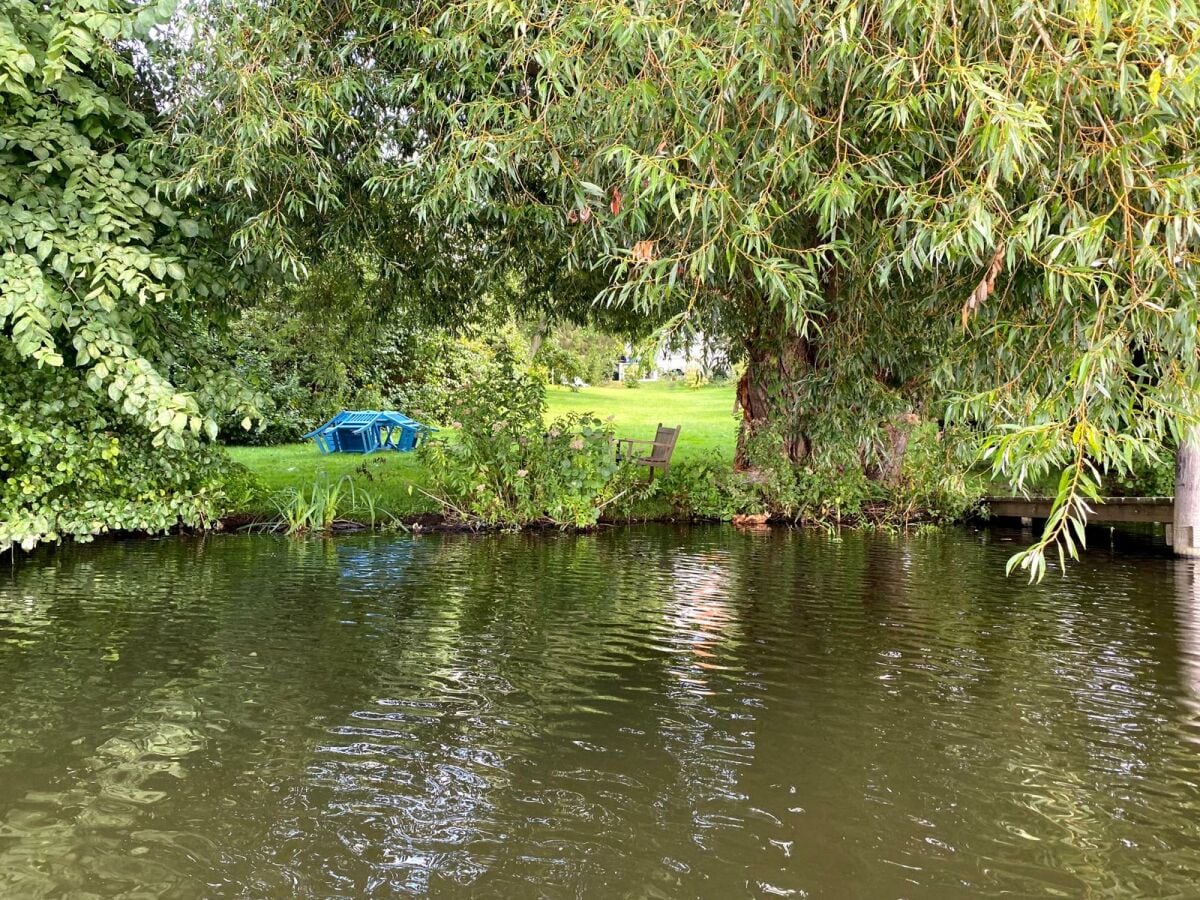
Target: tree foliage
x: 105, y: 289
x: 988, y: 211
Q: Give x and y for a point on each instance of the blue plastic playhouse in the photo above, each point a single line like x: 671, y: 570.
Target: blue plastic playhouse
x: 368, y: 430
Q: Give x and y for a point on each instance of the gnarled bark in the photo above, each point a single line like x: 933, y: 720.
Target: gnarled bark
x: 778, y: 405
x: 769, y: 394
x: 883, y: 457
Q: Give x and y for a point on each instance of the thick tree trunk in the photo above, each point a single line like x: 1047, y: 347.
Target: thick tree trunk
x: 769, y: 397
x: 883, y: 457
x: 779, y: 407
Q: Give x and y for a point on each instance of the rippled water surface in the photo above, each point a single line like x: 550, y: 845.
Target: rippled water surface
x: 640, y: 713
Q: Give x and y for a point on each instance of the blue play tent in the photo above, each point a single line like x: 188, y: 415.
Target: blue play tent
x: 368, y: 430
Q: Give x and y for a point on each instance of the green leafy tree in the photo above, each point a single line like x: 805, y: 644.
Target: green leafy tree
x: 105, y: 289
x: 986, y: 212
x: 568, y: 352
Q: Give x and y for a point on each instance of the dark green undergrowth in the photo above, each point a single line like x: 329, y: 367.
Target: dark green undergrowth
x: 934, y: 488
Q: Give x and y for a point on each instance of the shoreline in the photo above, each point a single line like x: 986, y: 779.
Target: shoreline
x: 439, y: 523
x: 1135, y: 538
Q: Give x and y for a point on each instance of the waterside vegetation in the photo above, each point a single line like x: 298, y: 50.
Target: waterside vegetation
x: 923, y: 238
x: 481, y: 477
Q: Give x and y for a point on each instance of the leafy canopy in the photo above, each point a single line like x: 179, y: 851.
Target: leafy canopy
x: 104, y: 286
x: 986, y: 209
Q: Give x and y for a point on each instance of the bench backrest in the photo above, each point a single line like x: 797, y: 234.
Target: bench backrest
x: 664, y: 443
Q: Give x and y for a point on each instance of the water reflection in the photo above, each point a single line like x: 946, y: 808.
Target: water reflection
x: 701, y: 614
x: 648, y: 712
x: 1187, y: 611
x: 63, y: 835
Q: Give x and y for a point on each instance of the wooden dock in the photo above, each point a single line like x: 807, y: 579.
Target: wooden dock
x: 1180, y: 514
x: 1113, y: 509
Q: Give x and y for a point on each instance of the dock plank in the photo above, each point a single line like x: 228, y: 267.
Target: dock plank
x: 1113, y: 509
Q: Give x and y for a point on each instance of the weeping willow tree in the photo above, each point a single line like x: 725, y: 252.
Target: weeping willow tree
x: 108, y: 407
x: 985, y: 212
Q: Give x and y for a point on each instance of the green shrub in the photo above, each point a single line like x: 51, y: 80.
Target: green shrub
x: 503, y: 466
x: 708, y: 488
x: 571, y: 351
x: 338, y: 341
x: 1146, y: 480
x: 939, y: 484
x: 694, y: 376
x: 108, y: 280
x: 824, y: 491
x: 72, y: 466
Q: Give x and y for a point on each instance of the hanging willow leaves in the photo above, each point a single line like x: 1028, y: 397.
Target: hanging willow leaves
x: 828, y: 182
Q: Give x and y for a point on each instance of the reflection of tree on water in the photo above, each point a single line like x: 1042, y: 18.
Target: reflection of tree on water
x: 64, y: 631
x: 71, y: 836
x: 710, y: 728
x: 142, y: 669
x: 642, y: 712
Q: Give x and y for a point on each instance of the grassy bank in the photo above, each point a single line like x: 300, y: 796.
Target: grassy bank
x: 395, y: 479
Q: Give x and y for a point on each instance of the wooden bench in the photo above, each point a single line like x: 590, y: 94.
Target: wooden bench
x: 661, y: 448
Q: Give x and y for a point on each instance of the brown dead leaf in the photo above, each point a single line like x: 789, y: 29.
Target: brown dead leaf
x: 643, y: 252
x: 984, y: 289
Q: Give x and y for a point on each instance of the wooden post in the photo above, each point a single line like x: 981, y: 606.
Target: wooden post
x: 1186, y: 532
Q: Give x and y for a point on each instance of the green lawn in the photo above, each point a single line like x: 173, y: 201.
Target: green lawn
x: 706, y: 415
x: 388, y: 476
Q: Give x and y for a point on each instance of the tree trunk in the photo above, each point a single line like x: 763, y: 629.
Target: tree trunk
x: 778, y: 409
x: 883, y: 458
x: 769, y: 396
x: 539, y: 335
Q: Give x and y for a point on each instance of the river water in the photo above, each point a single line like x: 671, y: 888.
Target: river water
x: 644, y: 712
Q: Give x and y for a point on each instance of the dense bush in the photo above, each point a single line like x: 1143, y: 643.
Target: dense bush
x: 339, y: 340
x: 71, y: 466
x: 306, y: 366
x: 571, y: 351
x: 503, y: 466
x: 1144, y: 480
x: 932, y: 488
x: 108, y: 406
